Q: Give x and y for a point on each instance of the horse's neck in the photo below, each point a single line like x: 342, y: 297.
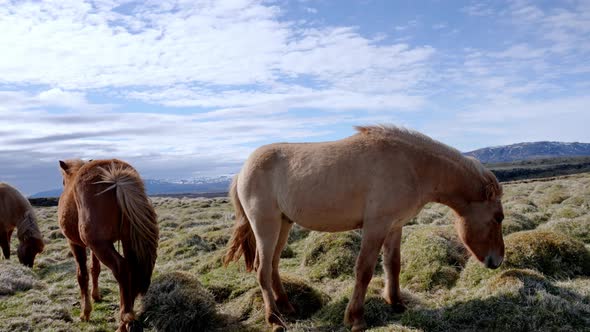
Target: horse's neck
x: 450, y: 183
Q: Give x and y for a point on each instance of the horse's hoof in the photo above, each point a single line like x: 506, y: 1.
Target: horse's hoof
x: 84, y: 317
x: 97, y: 297
x: 398, y: 307
x: 358, y: 327
x: 134, y: 326
x: 287, y: 309
x: 278, y: 328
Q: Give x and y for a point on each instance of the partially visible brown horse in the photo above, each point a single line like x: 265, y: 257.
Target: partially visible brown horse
x: 104, y: 201
x: 17, y: 212
x: 375, y: 180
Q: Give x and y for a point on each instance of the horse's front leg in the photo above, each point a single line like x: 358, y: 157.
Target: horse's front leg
x: 373, y: 237
x: 5, y: 243
x: 391, y: 265
x: 82, y: 274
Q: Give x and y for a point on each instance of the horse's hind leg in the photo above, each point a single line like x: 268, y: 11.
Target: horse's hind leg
x: 82, y: 274
x: 391, y: 264
x: 373, y: 237
x: 267, y: 228
x: 277, y: 286
x: 107, y: 254
x: 95, y: 270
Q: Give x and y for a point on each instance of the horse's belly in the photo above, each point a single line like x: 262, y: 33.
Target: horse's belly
x: 331, y: 222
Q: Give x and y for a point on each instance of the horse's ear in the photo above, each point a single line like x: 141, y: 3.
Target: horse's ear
x: 63, y: 166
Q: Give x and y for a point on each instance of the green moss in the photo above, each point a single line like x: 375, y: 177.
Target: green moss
x: 432, y: 257
x: 331, y: 255
x: 178, y: 302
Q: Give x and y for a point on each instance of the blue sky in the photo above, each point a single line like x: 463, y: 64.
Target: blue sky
x: 185, y: 89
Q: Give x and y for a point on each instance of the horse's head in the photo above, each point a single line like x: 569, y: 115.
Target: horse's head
x: 28, y: 250
x: 30, y: 238
x: 480, y: 223
x: 69, y: 169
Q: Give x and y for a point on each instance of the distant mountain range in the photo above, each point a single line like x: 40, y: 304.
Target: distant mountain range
x: 532, y: 150
x: 497, y: 154
x: 162, y: 187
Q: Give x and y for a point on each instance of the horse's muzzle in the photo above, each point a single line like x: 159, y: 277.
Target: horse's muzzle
x: 493, y: 261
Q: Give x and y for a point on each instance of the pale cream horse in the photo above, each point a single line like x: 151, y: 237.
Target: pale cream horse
x: 17, y: 212
x: 375, y: 181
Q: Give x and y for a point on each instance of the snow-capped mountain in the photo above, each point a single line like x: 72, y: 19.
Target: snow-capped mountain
x: 157, y: 186
x: 530, y: 150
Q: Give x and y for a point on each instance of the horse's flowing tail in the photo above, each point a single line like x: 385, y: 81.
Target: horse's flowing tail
x: 242, y: 241
x: 143, y: 224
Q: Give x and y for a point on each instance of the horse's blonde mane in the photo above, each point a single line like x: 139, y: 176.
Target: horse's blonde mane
x: 425, y: 144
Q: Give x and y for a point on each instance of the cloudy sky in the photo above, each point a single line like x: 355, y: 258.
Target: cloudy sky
x: 188, y: 88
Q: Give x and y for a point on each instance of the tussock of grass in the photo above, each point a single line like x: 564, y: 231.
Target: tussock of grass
x: 297, y: 233
x: 377, y: 311
x: 305, y: 299
x: 331, y: 255
x: 287, y: 252
x: 178, y: 302
x: 554, y: 254
x: 516, y: 222
x: 536, y: 302
x: 434, y: 214
x: 227, y: 283
x: 578, y: 228
x: 432, y: 257
x: 15, y: 277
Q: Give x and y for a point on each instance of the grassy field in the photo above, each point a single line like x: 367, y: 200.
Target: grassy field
x: 544, y: 283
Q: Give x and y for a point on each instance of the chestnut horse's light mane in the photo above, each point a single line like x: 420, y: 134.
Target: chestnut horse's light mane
x: 428, y: 145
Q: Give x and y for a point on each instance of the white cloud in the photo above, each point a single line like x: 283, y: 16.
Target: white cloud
x: 202, y: 46
x: 55, y: 97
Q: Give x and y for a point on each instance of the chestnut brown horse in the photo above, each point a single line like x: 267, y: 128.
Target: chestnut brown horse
x: 17, y: 212
x: 375, y: 181
x: 104, y: 201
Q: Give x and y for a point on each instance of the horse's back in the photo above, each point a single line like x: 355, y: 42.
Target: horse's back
x: 99, y: 215
x: 322, y: 186
x: 13, y: 204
